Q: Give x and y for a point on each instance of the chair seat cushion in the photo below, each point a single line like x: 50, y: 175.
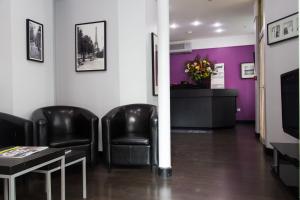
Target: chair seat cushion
x: 131, y: 140
x: 68, y: 140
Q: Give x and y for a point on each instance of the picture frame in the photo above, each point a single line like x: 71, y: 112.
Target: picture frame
x: 35, y: 41
x: 283, y: 29
x: 90, y: 46
x: 154, y: 41
x: 247, y: 70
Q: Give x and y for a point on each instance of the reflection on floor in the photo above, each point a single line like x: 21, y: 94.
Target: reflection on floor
x: 227, y: 164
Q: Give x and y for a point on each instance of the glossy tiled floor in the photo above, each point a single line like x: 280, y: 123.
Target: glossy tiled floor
x: 227, y: 164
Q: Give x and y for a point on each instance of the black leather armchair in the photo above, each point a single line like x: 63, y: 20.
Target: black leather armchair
x: 130, y: 134
x: 15, y: 131
x: 67, y: 127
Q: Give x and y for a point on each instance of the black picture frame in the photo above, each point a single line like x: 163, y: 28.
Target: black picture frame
x: 35, y: 41
x: 93, y: 37
x: 283, y: 29
x: 154, y: 47
x: 247, y: 70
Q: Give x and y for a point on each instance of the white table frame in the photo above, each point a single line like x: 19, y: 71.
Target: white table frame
x: 49, y: 172
x: 10, y: 183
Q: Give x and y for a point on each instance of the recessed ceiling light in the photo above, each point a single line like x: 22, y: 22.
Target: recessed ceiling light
x: 219, y: 30
x: 217, y: 24
x: 173, y: 26
x: 189, y: 32
x: 196, y: 23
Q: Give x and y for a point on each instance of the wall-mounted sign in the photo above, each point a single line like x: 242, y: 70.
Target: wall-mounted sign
x: 218, y: 78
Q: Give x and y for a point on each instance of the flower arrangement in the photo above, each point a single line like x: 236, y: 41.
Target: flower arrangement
x: 199, y: 69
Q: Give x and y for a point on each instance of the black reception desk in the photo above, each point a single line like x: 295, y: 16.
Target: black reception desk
x: 203, y: 108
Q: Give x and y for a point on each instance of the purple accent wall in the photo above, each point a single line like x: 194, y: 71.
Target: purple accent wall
x: 232, y: 57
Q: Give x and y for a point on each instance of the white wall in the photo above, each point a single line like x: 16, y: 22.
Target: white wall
x: 279, y: 58
x: 132, y: 51
x: 33, y: 82
x: 29, y: 85
x: 5, y: 57
x: 96, y: 91
x: 151, y: 26
x: 226, y: 41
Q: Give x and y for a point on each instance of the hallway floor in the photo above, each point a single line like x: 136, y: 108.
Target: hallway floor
x: 228, y: 164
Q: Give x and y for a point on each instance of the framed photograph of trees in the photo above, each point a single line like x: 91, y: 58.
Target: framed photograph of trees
x: 35, y: 41
x: 90, y: 46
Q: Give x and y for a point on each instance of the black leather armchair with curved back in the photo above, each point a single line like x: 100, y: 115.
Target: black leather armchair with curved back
x: 15, y: 131
x: 67, y: 127
x: 130, y: 134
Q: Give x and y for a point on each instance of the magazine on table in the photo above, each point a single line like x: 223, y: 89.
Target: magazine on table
x: 20, y: 151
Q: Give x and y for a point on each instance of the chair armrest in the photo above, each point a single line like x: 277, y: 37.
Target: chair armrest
x: 154, y: 135
x: 21, y: 124
x: 107, y: 131
x: 40, y: 124
x: 88, y: 115
x: 93, y: 128
x: 91, y: 121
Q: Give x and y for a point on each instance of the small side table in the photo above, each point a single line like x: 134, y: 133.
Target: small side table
x: 11, y: 168
x: 72, y: 157
x: 286, y: 164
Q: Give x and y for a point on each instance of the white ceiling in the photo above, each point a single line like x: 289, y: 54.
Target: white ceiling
x: 235, y: 15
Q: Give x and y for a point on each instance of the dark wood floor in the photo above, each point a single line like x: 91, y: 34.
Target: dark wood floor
x: 224, y: 165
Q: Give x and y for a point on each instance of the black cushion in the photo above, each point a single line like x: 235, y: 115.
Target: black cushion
x: 68, y: 140
x: 61, y: 122
x: 131, y: 139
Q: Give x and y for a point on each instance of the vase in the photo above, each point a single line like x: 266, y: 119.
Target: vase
x: 203, y: 83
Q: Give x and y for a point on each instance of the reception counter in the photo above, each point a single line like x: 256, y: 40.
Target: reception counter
x: 203, y: 108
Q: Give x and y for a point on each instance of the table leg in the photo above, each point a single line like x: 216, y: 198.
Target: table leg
x: 5, y: 189
x: 63, y: 195
x: 12, y: 189
x: 84, y: 178
x: 48, y: 185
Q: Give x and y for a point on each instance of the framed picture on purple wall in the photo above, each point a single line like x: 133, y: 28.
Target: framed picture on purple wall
x: 154, y: 40
x: 247, y: 70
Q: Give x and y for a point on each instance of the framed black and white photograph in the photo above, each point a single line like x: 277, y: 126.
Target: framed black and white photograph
x: 247, y: 70
x: 154, y: 41
x: 35, y: 40
x: 283, y: 29
x: 90, y: 46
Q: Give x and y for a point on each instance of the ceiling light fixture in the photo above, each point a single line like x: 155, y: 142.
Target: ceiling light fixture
x: 217, y: 24
x: 173, y: 26
x: 219, y: 30
x: 196, y: 23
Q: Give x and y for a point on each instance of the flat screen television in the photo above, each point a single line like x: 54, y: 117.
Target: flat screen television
x: 290, y: 102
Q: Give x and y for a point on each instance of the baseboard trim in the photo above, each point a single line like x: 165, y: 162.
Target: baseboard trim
x: 165, y: 172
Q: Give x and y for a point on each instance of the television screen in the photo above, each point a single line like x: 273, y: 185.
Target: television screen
x: 290, y: 102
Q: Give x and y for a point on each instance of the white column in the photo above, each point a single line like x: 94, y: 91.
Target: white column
x: 164, y: 87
